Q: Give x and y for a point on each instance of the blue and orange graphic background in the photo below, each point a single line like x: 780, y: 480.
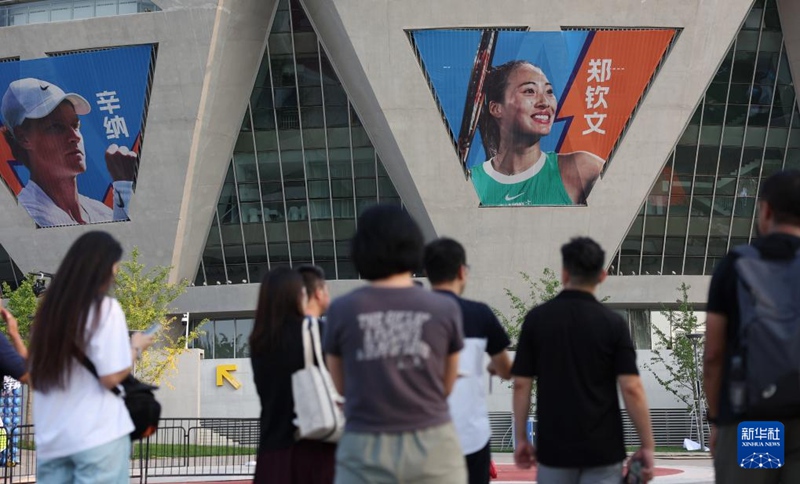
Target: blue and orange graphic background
x: 448, y: 57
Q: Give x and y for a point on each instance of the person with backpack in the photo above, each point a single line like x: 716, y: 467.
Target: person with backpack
x: 82, y: 428
x: 751, y: 361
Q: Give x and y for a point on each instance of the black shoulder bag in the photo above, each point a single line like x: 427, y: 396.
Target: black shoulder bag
x: 139, y: 399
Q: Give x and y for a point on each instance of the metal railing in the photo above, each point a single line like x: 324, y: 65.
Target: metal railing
x: 189, y: 447
x: 24, y: 12
x: 181, y: 447
x: 670, y: 426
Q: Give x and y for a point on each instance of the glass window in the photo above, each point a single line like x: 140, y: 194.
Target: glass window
x: 61, y: 10
x: 694, y: 266
x: 243, y: 329
x: 82, y: 9
x: 38, y: 14
x: 224, y: 338
x: 745, y: 113
x: 640, y: 328
x: 793, y: 159
x: 300, y: 188
x: 128, y: 6
x: 205, y: 341
x: 629, y: 265
x: 60, y: 13
x: 105, y: 8
x: 673, y: 265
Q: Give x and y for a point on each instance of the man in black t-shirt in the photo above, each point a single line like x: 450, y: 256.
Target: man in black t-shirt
x: 579, y: 350
x: 447, y: 270
x: 779, y: 226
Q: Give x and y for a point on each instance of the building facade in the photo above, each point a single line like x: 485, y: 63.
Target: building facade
x: 271, y: 124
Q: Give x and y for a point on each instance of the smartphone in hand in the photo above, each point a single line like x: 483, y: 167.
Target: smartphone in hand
x: 153, y: 329
x: 634, y: 475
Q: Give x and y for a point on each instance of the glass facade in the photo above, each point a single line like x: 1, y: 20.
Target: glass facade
x: 229, y: 338
x: 60, y: 10
x: 746, y: 128
x: 224, y: 338
x: 303, y: 167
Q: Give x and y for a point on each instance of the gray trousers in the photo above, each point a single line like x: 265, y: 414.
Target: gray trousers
x: 726, y: 461
x: 611, y: 474
x: 428, y: 456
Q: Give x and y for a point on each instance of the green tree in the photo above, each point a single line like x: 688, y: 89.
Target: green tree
x: 674, y: 352
x: 21, y: 302
x: 146, y: 297
x: 538, y: 291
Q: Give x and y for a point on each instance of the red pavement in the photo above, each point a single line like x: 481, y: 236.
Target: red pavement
x: 510, y: 472
x: 505, y: 472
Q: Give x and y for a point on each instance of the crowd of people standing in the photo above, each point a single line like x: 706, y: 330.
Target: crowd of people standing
x: 410, y: 363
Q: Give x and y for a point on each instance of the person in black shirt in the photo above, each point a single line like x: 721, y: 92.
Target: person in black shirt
x: 579, y: 351
x: 447, y: 270
x: 779, y: 227
x: 276, y: 347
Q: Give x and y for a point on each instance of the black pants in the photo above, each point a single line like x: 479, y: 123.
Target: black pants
x: 478, y: 465
x: 305, y: 462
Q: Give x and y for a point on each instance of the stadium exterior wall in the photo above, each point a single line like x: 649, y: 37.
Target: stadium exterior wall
x: 208, y: 57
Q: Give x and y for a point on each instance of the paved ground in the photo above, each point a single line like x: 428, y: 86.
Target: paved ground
x: 677, y: 469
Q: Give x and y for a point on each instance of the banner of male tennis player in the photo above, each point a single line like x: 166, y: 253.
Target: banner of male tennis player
x: 534, y: 116
x: 72, y: 133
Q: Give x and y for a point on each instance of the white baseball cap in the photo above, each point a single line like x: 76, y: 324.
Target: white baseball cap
x: 31, y: 98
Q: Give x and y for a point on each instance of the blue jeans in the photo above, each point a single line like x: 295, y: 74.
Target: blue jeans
x: 106, y: 464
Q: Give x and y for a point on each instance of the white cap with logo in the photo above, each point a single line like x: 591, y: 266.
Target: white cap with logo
x: 31, y: 98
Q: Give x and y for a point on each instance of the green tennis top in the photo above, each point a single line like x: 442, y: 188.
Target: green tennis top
x: 540, y: 184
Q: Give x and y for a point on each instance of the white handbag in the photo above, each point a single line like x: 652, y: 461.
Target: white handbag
x: 316, y: 401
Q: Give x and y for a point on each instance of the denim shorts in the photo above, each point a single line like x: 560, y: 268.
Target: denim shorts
x: 106, y: 464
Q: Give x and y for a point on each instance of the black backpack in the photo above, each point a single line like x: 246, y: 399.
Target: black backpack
x: 765, y: 369
x: 140, y: 400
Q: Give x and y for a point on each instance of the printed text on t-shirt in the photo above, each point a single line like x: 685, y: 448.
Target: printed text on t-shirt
x: 394, y: 334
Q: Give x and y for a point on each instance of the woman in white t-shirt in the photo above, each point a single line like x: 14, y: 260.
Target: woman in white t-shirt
x: 82, y: 428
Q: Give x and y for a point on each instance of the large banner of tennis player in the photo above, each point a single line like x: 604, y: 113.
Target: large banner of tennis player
x: 535, y: 116
x: 72, y: 133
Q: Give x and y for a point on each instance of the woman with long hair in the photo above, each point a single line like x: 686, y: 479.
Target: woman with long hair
x: 82, y: 428
x: 276, y: 349
x: 519, y: 110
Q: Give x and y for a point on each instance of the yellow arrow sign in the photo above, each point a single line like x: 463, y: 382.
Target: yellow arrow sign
x: 223, y: 371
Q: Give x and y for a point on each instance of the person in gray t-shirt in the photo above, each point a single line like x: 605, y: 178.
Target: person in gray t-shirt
x: 392, y: 351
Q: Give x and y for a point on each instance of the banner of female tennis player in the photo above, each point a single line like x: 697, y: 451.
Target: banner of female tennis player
x: 535, y: 116
x: 72, y: 133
